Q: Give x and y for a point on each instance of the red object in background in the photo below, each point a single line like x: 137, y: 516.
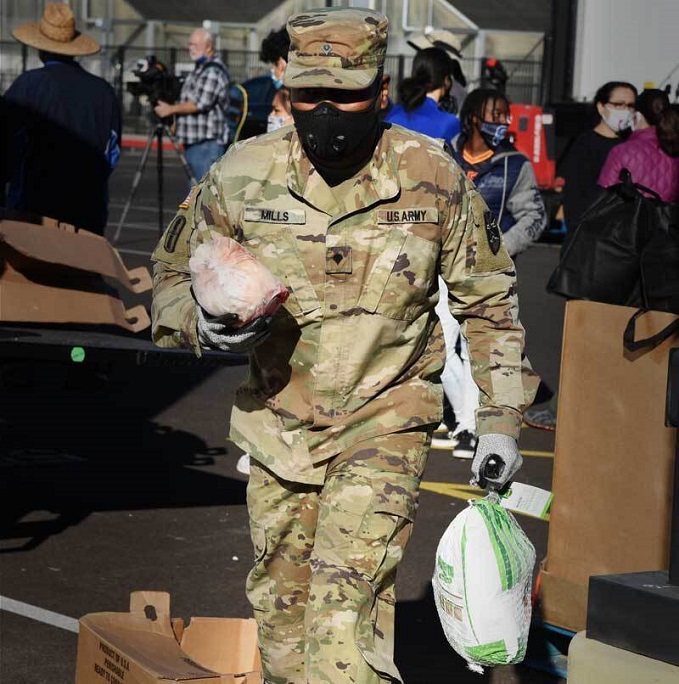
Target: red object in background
x: 532, y: 132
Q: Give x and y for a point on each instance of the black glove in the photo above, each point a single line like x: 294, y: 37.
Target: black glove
x: 219, y: 333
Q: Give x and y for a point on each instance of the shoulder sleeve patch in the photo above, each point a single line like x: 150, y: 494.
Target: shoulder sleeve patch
x: 174, y: 230
x: 491, y: 254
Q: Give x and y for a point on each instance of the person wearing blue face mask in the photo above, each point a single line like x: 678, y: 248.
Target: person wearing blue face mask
x: 262, y: 89
x: 274, y: 51
x: 505, y: 179
x: 503, y: 175
x: 201, y: 111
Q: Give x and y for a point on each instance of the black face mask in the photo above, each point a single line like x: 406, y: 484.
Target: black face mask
x: 330, y: 135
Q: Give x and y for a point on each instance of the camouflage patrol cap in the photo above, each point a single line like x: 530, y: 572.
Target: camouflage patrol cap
x: 335, y: 48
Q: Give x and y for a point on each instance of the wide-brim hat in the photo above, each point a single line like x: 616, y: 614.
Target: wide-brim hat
x: 340, y: 48
x: 55, y: 32
x: 440, y: 38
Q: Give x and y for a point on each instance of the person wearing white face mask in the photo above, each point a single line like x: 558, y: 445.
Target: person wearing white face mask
x: 615, y: 109
x: 281, y: 110
x: 614, y: 103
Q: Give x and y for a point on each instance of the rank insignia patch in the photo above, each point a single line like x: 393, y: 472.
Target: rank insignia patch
x: 338, y: 260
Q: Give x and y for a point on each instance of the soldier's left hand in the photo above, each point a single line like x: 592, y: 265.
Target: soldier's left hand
x: 219, y: 333
x: 506, y: 449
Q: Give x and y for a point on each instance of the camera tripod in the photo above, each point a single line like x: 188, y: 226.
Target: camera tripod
x: 156, y: 132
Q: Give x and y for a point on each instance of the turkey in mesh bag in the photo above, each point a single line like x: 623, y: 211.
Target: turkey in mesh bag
x: 227, y: 279
x: 482, y: 585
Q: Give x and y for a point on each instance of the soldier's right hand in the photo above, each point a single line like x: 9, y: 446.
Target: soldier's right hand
x: 219, y: 333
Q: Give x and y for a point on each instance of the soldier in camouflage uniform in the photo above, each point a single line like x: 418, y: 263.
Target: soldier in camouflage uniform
x: 358, y: 220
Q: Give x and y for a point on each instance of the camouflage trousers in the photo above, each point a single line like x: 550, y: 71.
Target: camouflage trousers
x: 322, y: 586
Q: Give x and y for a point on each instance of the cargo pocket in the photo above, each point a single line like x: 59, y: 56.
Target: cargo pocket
x: 365, y: 523
x: 258, y: 583
x: 388, y: 522
x: 375, y: 637
x: 402, y: 276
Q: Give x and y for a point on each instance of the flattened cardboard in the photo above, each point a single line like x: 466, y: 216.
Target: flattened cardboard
x: 61, y: 243
x: 52, y: 273
x: 26, y: 300
x: 146, y: 646
x: 613, y: 461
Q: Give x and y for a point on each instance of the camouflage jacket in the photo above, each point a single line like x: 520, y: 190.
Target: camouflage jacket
x: 357, y: 349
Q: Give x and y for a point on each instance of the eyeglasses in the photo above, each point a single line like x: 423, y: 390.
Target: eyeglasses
x: 622, y: 105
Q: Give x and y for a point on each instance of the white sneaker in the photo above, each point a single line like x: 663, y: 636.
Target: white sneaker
x: 466, y: 445
x: 243, y: 464
x: 446, y: 442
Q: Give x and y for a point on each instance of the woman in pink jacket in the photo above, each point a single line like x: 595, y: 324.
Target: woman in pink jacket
x: 651, y: 154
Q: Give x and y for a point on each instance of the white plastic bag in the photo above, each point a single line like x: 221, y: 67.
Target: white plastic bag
x: 227, y: 279
x: 482, y: 585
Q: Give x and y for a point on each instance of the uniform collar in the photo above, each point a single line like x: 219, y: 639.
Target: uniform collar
x: 378, y: 181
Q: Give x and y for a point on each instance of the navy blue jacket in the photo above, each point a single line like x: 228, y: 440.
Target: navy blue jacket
x: 63, y: 142
x: 507, y: 183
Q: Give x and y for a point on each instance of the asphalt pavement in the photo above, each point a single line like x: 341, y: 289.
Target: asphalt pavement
x: 123, y: 479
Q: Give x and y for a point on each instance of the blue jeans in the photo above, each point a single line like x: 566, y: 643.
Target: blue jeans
x: 200, y: 156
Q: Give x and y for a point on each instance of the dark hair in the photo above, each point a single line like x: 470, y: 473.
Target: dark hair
x: 474, y: 106
x: 284, y: 94
x: 655, y: 106
x: 275, y: 46
x: 456, y: 71
x: 431, y: 67
x: 603, y: 95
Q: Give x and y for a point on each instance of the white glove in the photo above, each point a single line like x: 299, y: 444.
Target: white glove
x: 219, y: 333
x: 506, y: 452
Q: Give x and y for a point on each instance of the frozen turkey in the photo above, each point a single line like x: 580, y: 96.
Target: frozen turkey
x: 227, y: 279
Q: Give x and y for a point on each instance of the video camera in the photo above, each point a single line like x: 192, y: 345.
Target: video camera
x: 155, y: 81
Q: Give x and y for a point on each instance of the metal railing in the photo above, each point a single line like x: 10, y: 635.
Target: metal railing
x: 115, y: 65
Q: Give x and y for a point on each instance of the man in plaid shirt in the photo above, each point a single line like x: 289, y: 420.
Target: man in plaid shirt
x: 201, y: 111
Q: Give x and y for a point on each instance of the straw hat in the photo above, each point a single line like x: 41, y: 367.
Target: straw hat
x: 55, y: 32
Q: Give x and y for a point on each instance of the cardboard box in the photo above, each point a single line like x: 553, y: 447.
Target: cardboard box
x: 146, y: 646
x: 613, y: 461
x: 563, y: 603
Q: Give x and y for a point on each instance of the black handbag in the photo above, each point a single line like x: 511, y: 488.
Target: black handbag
x: 624, y: 251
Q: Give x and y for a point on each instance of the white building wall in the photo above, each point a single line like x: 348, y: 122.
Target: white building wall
x: 625, y: 40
